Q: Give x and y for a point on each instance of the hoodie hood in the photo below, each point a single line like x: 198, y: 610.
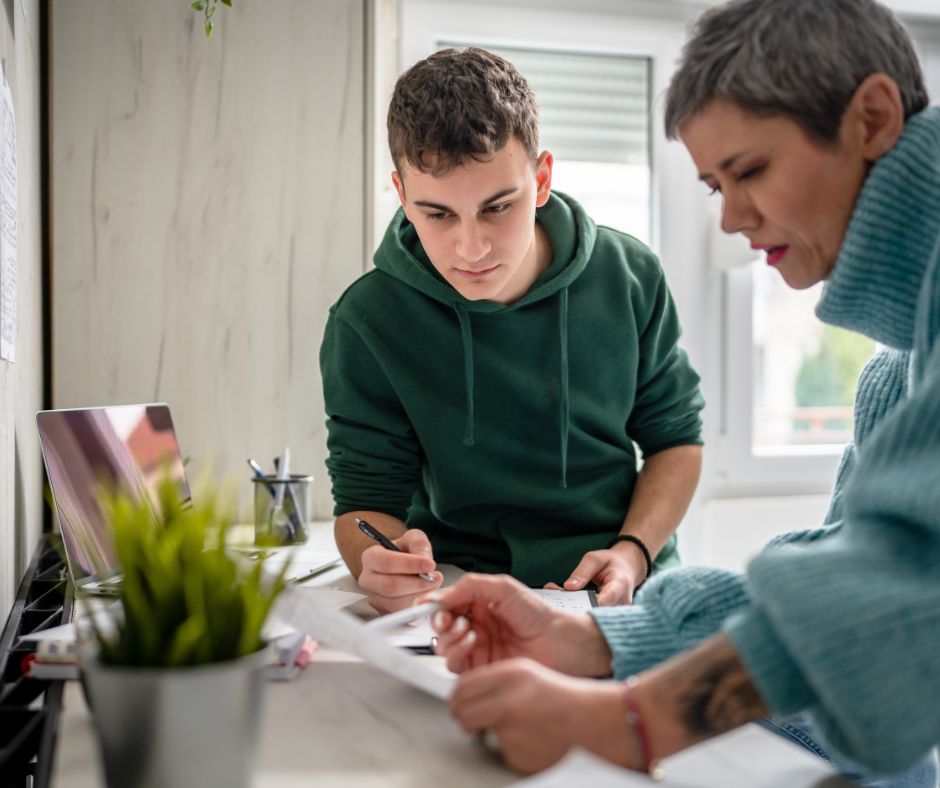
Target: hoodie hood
x: 571, y: 231
x: 572, y: 234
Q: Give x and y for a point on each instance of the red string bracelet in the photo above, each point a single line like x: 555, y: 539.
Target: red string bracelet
x: 638, y: 728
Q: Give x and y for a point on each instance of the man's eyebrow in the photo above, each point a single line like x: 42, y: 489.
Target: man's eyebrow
x: 488, y: 201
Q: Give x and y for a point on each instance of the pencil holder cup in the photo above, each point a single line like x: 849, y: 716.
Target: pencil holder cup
x: 282, y: 509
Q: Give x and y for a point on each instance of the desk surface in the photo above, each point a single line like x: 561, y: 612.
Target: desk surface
x: 342, y: 722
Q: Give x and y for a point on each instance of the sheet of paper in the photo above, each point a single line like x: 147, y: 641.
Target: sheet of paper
x: 749, y: 757
x: 420, y: 633
x: 103, y: 611
x: 307, y: 613
x: 415, y: 634
x: 572, y: 601
x: 8, y: 202
x: 579, y: 767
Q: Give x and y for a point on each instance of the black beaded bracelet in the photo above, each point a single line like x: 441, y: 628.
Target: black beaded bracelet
x: 643, y: 549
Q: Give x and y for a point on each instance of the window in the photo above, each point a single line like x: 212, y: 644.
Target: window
x: 786, y: 409
x: 804, y: 371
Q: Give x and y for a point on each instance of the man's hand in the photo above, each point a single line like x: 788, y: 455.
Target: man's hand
x: 538, y: 714
x: 488, y: 618
x: 391, y: 579
x: 616, y: 572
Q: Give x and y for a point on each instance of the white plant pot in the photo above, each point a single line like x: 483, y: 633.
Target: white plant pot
x: 177, y: 727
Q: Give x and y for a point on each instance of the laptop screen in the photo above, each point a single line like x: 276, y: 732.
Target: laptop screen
x: 128, y: 447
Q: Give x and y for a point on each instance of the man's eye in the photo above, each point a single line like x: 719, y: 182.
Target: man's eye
x: 437, y: 217
x: 498, y: 208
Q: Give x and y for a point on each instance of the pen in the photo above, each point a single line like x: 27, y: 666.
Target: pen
x: 283, y: 475
x: 403, y: 616
x: 260, y: 474
x: 383, y: 540
x: 293, y: 516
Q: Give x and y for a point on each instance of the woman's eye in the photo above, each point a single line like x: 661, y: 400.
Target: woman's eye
x: 716, y: 189
x: 750, y: 173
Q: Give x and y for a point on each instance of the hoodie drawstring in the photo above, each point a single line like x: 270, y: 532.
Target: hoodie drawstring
x: 466, y: 337
x: 563, y: 414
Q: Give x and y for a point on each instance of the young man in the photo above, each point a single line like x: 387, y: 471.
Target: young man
x: 485, y: 384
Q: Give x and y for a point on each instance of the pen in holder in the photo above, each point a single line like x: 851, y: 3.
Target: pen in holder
x: 282, y: 509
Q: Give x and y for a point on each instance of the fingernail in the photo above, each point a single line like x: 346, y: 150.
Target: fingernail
x: 471, y: 637
x: 575, y: 581
x: 438, y: 620
x: 461, y: 625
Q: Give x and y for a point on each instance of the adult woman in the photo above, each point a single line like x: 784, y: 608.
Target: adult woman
x: 810, y: 119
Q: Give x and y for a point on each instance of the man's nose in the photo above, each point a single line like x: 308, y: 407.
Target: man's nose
x: 472, y: 244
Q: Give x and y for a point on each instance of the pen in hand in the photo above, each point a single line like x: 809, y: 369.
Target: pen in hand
x: 383, y: 540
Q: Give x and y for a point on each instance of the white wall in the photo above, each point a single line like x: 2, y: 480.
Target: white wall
x: 208, y: 208
x: 21, y: 382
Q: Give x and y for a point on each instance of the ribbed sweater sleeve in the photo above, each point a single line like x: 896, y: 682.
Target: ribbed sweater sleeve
x: 851, y: 627
x: 675, y: 610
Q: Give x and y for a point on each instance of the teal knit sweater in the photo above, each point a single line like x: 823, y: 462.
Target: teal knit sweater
x: 844, y: 621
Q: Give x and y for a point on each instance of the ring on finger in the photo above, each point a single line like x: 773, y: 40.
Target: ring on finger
x: 488, y: 740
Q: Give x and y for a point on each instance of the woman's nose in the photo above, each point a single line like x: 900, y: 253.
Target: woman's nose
x: 737, y: 213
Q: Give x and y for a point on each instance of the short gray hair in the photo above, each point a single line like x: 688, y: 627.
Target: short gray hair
x: 802, y: 59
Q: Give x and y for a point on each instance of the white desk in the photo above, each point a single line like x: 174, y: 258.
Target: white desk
x: 343, y: 723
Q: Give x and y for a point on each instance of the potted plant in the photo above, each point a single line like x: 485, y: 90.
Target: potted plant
x: 174, y: 679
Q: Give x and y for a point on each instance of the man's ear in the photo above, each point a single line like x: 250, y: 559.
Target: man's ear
x: 876, y: 115
x: 543, y: 178
x: 400, y: 188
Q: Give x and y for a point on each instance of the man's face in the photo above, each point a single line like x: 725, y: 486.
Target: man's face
x: 790, y: 196
x: 477, y: 222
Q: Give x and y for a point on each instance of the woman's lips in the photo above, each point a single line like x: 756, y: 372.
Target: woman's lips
x: 775, y: 254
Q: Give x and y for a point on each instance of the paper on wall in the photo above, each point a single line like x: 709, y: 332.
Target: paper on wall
x: 7, y: 225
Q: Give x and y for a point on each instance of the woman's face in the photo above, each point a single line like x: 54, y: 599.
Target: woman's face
x: 789, y: 195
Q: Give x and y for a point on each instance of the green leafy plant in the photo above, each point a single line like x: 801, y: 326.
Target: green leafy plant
x: 208, y: 8
x: 185, y: 600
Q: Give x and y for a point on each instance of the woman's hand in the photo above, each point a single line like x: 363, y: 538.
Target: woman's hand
x: 488, y: 618
x: 537, y: 714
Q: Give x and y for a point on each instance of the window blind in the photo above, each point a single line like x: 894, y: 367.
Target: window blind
x: 592, y: 107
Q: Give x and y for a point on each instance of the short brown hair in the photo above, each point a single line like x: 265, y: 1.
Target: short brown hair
x: 457, y: 105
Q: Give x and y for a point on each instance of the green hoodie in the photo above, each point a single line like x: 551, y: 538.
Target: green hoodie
x: 506, y: 432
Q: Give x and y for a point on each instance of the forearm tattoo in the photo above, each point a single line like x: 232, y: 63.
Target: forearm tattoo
x: 714, y: 693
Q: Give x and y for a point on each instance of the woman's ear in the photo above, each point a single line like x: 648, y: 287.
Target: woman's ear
x: 876, y: 113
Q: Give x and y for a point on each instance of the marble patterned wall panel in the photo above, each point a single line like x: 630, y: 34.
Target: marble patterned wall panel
x: 207, y: 209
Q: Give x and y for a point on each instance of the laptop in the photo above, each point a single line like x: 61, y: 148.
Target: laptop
x: 131, y: 447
